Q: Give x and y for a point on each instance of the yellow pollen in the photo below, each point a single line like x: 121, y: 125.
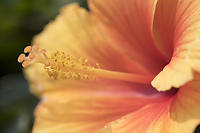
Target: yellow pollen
x: 60, y: 66
x: 65, y: 66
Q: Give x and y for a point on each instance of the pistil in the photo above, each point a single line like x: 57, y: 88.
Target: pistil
x: 61, y: 66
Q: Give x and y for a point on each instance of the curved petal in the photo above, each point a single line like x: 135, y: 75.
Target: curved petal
x: 186, y: 48
x: 139, y: 121
x: 129, y: 25
x: 76, y: 31
x: 185, y: 106
x: 163, y: 26
x: 87, y: 110
x: 178, y: 114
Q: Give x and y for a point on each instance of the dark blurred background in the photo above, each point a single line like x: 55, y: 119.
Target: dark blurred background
x: 20, y: 20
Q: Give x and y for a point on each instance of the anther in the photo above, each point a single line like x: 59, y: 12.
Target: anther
x: 58, y: 65
x: 27, y: 49
x: 21, y: 58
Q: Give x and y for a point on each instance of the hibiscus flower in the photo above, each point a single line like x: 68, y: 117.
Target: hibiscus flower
x: 125, y: 66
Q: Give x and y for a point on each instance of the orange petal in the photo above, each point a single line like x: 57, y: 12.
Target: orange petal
x: 186, y: 40
x: 179, y: 114
x: 163, y: 26
x: 185, y: 106
x: 85, y: 110
x: 75, y: 31
x: 137, y: 122
x: 129, y: 25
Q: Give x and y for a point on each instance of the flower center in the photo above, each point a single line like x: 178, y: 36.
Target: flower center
x: 171, y: 92
x: 64, y: 66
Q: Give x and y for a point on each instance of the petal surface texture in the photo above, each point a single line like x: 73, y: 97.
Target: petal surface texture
x: 178, y: 114
x: 176, y: 29
x: 86, y: 110
x: 129, y: 24
x: 152, y: 38
x: 84, y: 106
x: 77, y: 32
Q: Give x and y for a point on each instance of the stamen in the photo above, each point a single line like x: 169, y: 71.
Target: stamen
x: 27, y: 49
x: 21, y: 58
x: 64, y: 66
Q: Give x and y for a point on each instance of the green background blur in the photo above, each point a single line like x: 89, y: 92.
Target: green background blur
x: 20, y: 20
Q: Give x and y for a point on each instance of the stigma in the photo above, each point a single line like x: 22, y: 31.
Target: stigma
x: 31, y: 55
